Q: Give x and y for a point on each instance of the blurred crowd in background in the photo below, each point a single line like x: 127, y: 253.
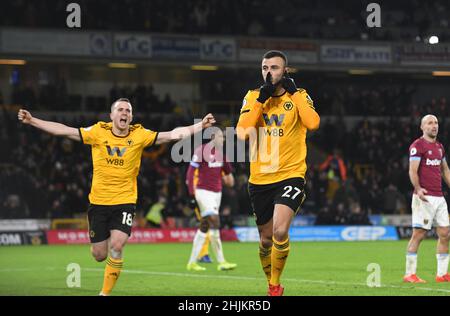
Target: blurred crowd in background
x: 356, y: 168
x: 321, y: 19
x: 358, y: 159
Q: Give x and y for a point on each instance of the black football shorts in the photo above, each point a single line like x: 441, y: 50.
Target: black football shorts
x: 289, y: 192
x: 104, y: 218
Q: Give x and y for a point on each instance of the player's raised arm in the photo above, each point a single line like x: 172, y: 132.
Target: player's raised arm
x: 414, y: 177
x: 252, y: 113
x: 304, y: 103
x: 53, y: 128
x: 186, y: 131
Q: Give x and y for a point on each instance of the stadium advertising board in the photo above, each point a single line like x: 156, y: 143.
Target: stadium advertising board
x: 405, y: 232
x: 252, y: 50
x: 132, y: 45
x: 356, y: 54
x: 377, y: 220
x: 170, y: 47
x: 138, y: 236
x: 304, y: 220
x: 100, y: 44
x: 46, y: 42
x: 327, y: 233
x: 24, y: 224
x: 22, y: 238
x: 425, y: 55
x: 217, y: 49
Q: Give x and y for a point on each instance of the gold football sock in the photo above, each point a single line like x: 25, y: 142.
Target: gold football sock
x: 205, y: 247
x: 280, y: 252
x: 266, y: 260
x: 112, y: 272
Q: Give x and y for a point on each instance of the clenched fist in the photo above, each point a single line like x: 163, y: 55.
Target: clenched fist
x: 24, y: 116
x: 208, y: 120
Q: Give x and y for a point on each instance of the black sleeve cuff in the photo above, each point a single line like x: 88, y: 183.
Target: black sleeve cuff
x: 154, y: 141
x: 81, y: 135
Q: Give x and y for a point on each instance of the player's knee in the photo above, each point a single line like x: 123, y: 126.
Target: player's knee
x: 214, y: 222
x: 266, y: 242
x: 99, y: 255
x: 116, y: 249
x: 444, y: 236
x: 204, y: 226
x: 280, y: 234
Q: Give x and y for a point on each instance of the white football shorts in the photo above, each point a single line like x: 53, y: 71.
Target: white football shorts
x: 425, y: 214
x: 208, y: 202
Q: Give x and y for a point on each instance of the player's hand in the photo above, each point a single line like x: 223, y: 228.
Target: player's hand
x: 266, y: 90
x: 421, y: 194
x: 208, y: 120
x: 288, y: 83
x: 24, y: 116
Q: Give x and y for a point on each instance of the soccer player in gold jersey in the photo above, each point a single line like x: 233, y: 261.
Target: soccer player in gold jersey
x: 278, y: 116
x: 117, y: 148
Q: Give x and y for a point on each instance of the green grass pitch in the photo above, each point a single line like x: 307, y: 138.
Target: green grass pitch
x: 313, y: 268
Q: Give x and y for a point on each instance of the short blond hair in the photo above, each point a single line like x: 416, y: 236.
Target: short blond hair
x: 119, y: 100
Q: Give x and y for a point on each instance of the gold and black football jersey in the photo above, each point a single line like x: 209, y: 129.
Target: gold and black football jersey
x: 279, y: 151
x: 116, y: 161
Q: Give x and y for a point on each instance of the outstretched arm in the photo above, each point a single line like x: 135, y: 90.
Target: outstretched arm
x: 52, y: 128
x: 186, y: 131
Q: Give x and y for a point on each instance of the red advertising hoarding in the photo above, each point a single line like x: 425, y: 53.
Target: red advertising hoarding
x: 141, y: 235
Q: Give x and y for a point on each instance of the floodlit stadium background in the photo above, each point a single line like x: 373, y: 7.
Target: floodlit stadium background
x: 178, y: 60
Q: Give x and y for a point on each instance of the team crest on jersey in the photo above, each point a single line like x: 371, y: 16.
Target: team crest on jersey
x: 430, y: 152
x: 130, y: 142
x: 288, y: 106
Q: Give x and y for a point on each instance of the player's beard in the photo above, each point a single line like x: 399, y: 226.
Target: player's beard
x: 278, y: 86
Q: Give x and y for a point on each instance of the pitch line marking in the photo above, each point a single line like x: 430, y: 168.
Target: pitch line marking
x: 232, y: 277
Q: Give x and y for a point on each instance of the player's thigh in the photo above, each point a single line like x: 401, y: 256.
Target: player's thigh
x: 98, y: 220
x: 423, y: 212
x: 208, y: 202
x: 419, y: 234
x: 100, y: 249
x: 122, y: 219
x: 282, y: 218
x: 262, y: 200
